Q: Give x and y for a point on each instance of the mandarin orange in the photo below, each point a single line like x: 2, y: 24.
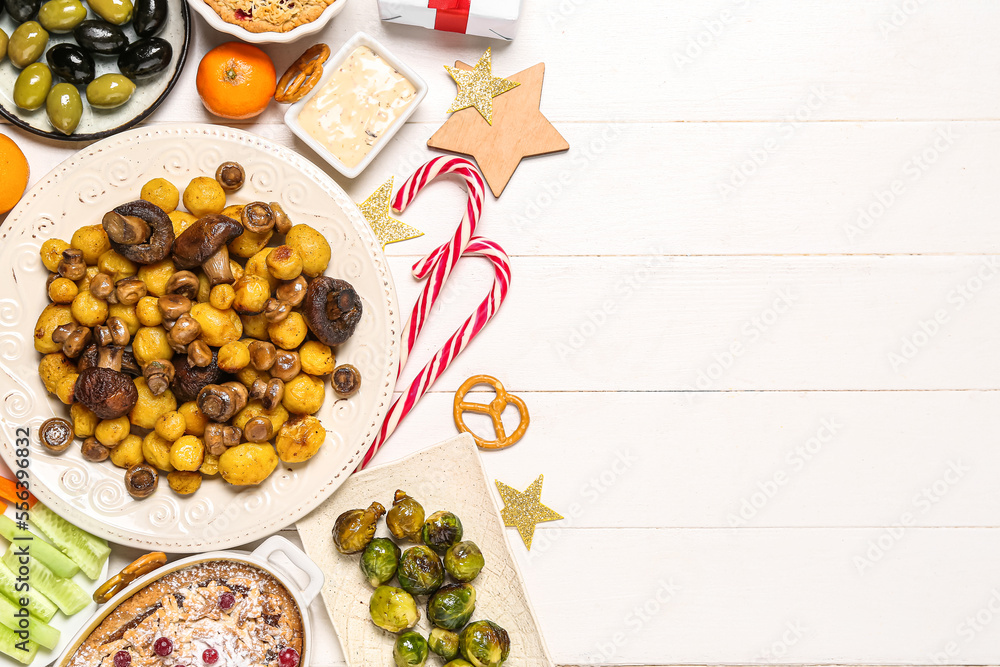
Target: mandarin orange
x: 236, y: 80
x: 13, y: 173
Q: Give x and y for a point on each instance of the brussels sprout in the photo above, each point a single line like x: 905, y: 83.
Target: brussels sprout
x: 354, y: 529
x: 451, y: 606
x: 393, y: 609
x: 379, y: 561
x: 441, y: 530
x: 406, y: 518
x: 420, y: 571
x: 444, y: 643
x: 484, y: 644
x: 464, y: 561
x: 410, y: 650
x: 458, y: 662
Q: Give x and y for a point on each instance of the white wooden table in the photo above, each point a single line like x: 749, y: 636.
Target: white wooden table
x: 755, y: 315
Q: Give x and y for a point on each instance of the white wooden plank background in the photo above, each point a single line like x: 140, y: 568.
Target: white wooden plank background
x: 813, y: 499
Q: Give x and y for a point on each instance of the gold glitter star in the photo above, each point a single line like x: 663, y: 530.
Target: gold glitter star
x: 376, y: 212
x: 477, y: 87
x: 524, y: 510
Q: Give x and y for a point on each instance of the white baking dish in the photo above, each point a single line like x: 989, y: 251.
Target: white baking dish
x: 331, y: 65
x: 262, y: 557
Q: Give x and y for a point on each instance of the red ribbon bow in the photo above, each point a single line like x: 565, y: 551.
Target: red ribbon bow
x: 452, y: 15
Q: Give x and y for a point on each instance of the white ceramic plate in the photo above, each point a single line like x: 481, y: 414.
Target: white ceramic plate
x: 68, y: 626
x: 449, y: 476
x: 299, y: 32
x: 331, y: 66
x: 80, y: 191
x: 100, y: 123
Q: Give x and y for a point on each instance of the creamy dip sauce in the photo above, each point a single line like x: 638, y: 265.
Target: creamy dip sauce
x: 359, y: 103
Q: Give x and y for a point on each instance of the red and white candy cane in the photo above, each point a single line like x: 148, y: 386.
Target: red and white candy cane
x: 437, y: 266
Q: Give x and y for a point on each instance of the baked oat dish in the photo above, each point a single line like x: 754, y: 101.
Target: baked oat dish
x: 220, y: 612
x: 269, y: 15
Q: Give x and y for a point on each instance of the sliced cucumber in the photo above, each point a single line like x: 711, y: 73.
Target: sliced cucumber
x: 22, y: 650
x: 39, y: 632
x: 39, y: 605
x: 87, y: 551
x: 66, y: 593
x: 47, y: 554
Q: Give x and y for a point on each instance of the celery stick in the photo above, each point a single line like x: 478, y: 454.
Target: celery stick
x: 38, y: 604
x: 40, y: 632
x: 66, y: 593
x: 47, y: 554
x: 87, y: 551
x: 22, y: 650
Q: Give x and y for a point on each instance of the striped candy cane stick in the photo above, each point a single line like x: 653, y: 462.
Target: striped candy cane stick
x: 437, y: 266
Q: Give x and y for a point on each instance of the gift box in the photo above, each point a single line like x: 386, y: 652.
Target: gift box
x: 486, y: 18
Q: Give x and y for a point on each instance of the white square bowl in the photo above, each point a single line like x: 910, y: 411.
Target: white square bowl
x: 331, y: 65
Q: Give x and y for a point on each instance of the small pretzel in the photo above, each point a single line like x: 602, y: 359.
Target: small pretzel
x: 494, y: 409
x: 140, y: 566
x: 302, y: 75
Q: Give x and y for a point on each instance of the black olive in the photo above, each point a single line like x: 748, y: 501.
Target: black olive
x: 145, y: 57
x: 71, y: 63
x: 100, y: 37
x: 148, y: 16
x: 22, y: 10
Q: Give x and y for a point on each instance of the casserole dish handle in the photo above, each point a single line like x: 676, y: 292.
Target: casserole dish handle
x: 278, y: 544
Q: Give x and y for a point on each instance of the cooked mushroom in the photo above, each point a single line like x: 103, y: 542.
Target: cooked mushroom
x: 102, y: 286
x: 220, y: 402
x: 141, y: 480
x: 184, y: 283
x: 72, y: 265
x: 62, y: 332
x: 128, y: 291
x: 56, y: 434
x: 332, y: 309
x: 173, y: 306
x: 102, y: 336
x: 258, y: 217
x: 122, y: 359
x: 346, y: 380
x: 214, y: 439
x: 108, y: 392
x: 292, y: 291
x: 276, y: 311
x: 199, y: 353
x: 76, y: 342
x: 159, y: 375
x: 286, y: 365
x: 128, y: 238
x: 190, y: 379
x: 231, y: 435
x: 93, y: 450
x: 119, y: 331
x: 269, y: 393
x: 184, y: 331
x: 230, y: 176
x: 204, y: 244
x: 262, y: 354
x: 281, y: 222
x: 258, y: 429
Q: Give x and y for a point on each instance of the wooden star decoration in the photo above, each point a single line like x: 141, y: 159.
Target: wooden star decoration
x: 524, y: 510
x: 376, y: 212
x: 519, y: 130
x: 477, y: 86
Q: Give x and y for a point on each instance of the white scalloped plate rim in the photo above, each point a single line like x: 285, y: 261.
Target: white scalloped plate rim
x: 273, y: 516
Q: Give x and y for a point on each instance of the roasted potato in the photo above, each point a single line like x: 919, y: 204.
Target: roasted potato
x: 247, y: 463
x: 299, y: 439
x: 149, y: 407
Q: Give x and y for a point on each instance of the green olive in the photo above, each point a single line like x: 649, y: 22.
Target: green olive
x: 109, y: 91
x: 27, y: 44
x: 32, y: 86
x: 64, y: 107
x: 117, y: 12
x: 62, y: 15
x: 3, y: 45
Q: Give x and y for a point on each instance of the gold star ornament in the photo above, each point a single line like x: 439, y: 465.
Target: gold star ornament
x: 376, y: 212
x: 524, y: 510
x: 477, y: 87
